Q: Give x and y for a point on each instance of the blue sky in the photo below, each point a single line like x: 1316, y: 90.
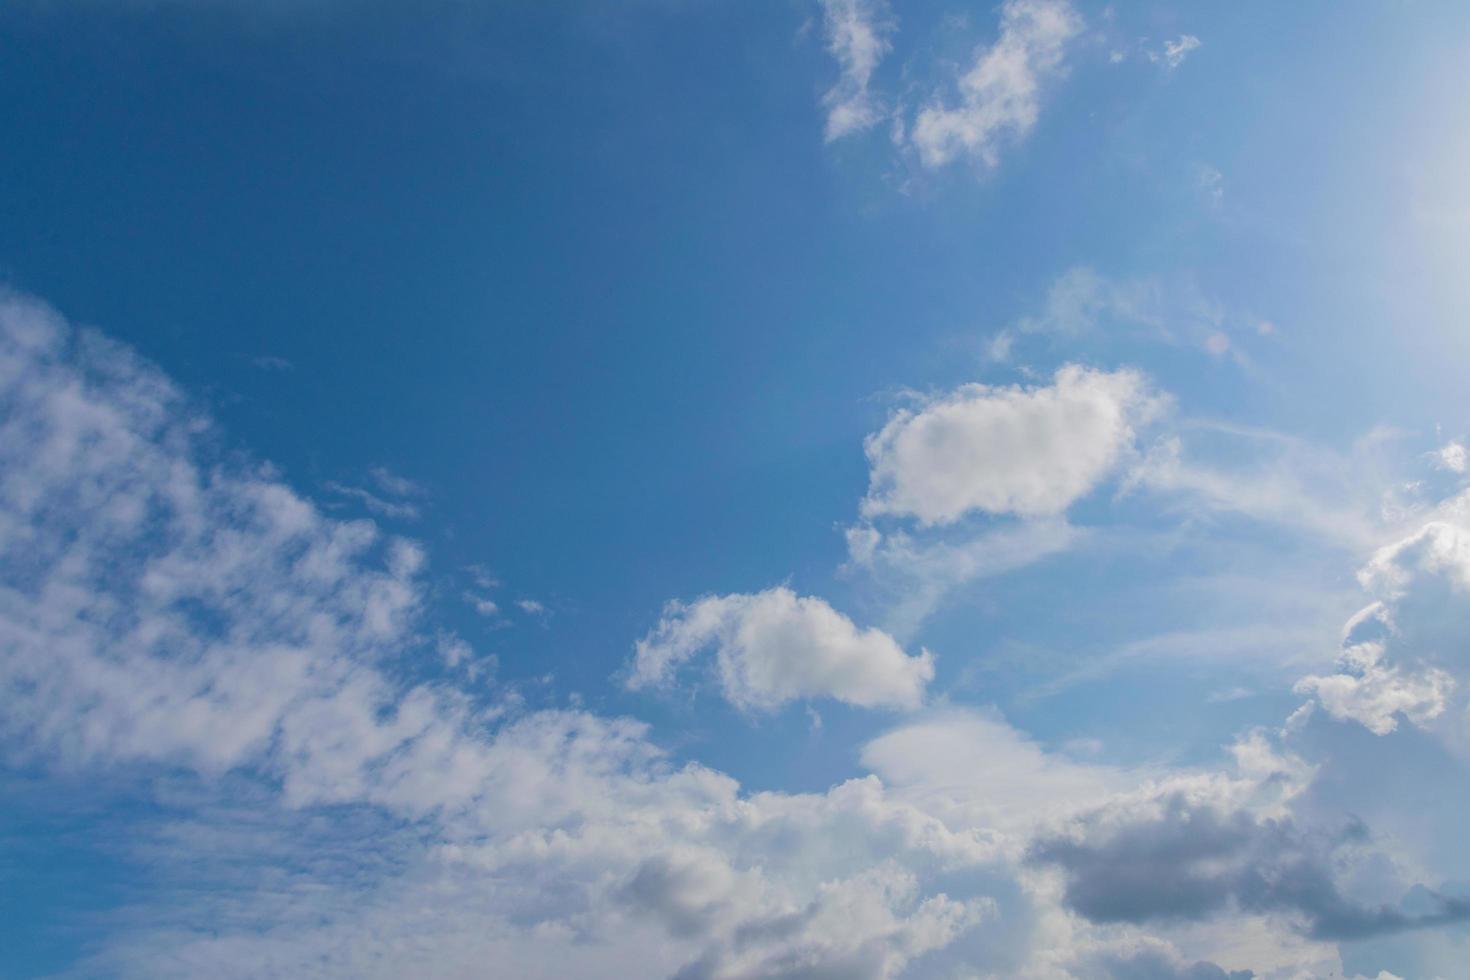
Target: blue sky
x: 707, y: 489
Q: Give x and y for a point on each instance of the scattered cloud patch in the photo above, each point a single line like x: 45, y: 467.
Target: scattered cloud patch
x: 166, y: 610
x: 856, y: 33
x: 394, y: 485
x: 395, y: 510
x: 483, y: 605
x: 1452, y: 457
x: 1403, y: 655
x: 999, y: 97
x: 177, y: 608
x: 394, y: 498
x: 1173, y: 53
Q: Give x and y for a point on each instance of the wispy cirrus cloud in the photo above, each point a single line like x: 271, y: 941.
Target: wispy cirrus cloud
x: 996, y: 100
x: 999, y: 96
x: 857, y: 34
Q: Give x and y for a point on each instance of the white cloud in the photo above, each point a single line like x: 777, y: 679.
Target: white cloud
x: 857, y: 36
x: 394, y: 500
x: 1030, y: 451
x: 1403, y: 655
x: 1452, y: 457
x: 775, y: 646
x: 394, y: 485
x: 164, y: 612
x: 390, y: 509
x: 1172, y: 55
x: 483, y: 605
x: 1337, y: 497
x: 1000, y: 95
x: 972, y: 770
x: 190, y: 622
x: 167, y: 607
x: 1374, y: 695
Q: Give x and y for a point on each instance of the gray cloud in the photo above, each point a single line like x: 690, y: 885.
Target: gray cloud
x: 1191, y: 860
x: 1153, y: 964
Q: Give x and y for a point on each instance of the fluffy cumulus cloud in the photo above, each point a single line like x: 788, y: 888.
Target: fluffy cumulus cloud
x: 1403, y: 655
x: 1030, y: 451
x: 999, y: 96
x: 856, y: 33
x: 775, y: 646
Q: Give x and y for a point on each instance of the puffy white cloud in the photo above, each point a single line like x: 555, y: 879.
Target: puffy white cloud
x: 857, y: 37
x: 1374, y: 694
x: 1403, y: 655
x: 1031, y: 451
x: 1000, y: 95
x: 774, y: 646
